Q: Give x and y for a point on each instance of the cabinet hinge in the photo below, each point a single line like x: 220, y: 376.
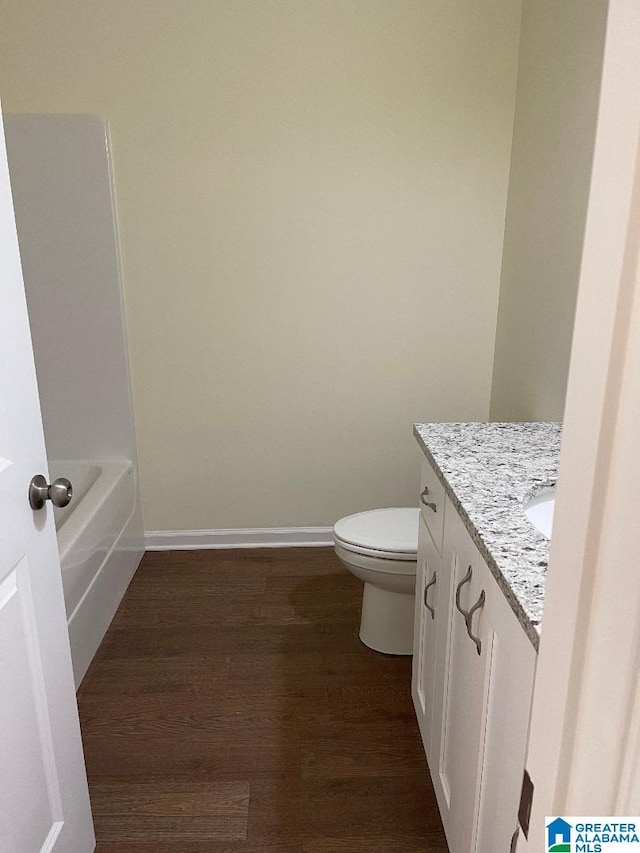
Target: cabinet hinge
x: 526, y: 800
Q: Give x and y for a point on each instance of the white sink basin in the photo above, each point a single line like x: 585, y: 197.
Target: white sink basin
x: 539, y: 511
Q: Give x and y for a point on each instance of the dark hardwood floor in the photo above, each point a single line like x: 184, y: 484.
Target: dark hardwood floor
x: 232, y: 709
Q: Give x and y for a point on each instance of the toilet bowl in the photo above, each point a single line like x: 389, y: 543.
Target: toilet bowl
x: 380, y: 547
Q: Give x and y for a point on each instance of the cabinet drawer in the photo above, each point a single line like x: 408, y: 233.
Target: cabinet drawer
x: 432, y: 502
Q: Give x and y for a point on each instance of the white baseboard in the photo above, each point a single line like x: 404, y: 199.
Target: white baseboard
x: 258, y: 537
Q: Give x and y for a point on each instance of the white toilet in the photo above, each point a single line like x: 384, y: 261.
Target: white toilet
x: 380, y: 547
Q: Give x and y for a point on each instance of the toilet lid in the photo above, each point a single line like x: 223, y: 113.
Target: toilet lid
x: 391, y: 530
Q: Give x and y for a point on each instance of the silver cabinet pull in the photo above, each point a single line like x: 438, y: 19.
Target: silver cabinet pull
x: 431, y: 583
x: 514, y: 840
x: 464, y: 580
x: 430, y: 504
x: 468, y: 614
x: 467, y: 621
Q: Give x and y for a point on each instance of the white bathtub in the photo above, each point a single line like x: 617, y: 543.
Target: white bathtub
x: 100, y: 546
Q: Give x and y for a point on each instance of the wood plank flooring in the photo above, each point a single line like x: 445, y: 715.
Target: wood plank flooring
x: 232, y: 709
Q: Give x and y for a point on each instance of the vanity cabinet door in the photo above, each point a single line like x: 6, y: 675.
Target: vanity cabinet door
x: 507, y: 711
x: 459, y: 722
x: 427, y: 616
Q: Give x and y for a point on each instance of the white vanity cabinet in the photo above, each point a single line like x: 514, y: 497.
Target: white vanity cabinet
x: 472, y: 685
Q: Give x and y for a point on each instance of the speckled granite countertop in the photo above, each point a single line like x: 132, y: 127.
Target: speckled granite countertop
x: 488, y: 471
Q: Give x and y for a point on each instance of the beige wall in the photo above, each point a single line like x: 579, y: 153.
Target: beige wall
x: 311, y: 199
x: 556, y: 105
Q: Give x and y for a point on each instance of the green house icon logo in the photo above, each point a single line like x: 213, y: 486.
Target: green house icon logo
x: 559, y: 836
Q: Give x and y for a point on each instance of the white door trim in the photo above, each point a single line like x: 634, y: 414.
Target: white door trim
x: 585, y: 708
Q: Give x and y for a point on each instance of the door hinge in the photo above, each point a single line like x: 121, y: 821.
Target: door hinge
x: 526, y: 800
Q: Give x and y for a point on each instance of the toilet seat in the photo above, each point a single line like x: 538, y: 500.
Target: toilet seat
x: 373, y: 552
x: 374, y: 564
x: 386, y: 534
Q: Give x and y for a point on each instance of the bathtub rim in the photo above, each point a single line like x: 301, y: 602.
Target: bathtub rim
x: 111, y: 472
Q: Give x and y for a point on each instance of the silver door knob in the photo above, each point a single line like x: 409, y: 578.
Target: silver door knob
x: 59, y: 492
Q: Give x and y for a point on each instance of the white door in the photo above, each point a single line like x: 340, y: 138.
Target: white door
x: 44, y: 801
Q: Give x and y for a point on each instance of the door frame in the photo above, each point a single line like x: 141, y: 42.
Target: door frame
x: 584, y: 746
